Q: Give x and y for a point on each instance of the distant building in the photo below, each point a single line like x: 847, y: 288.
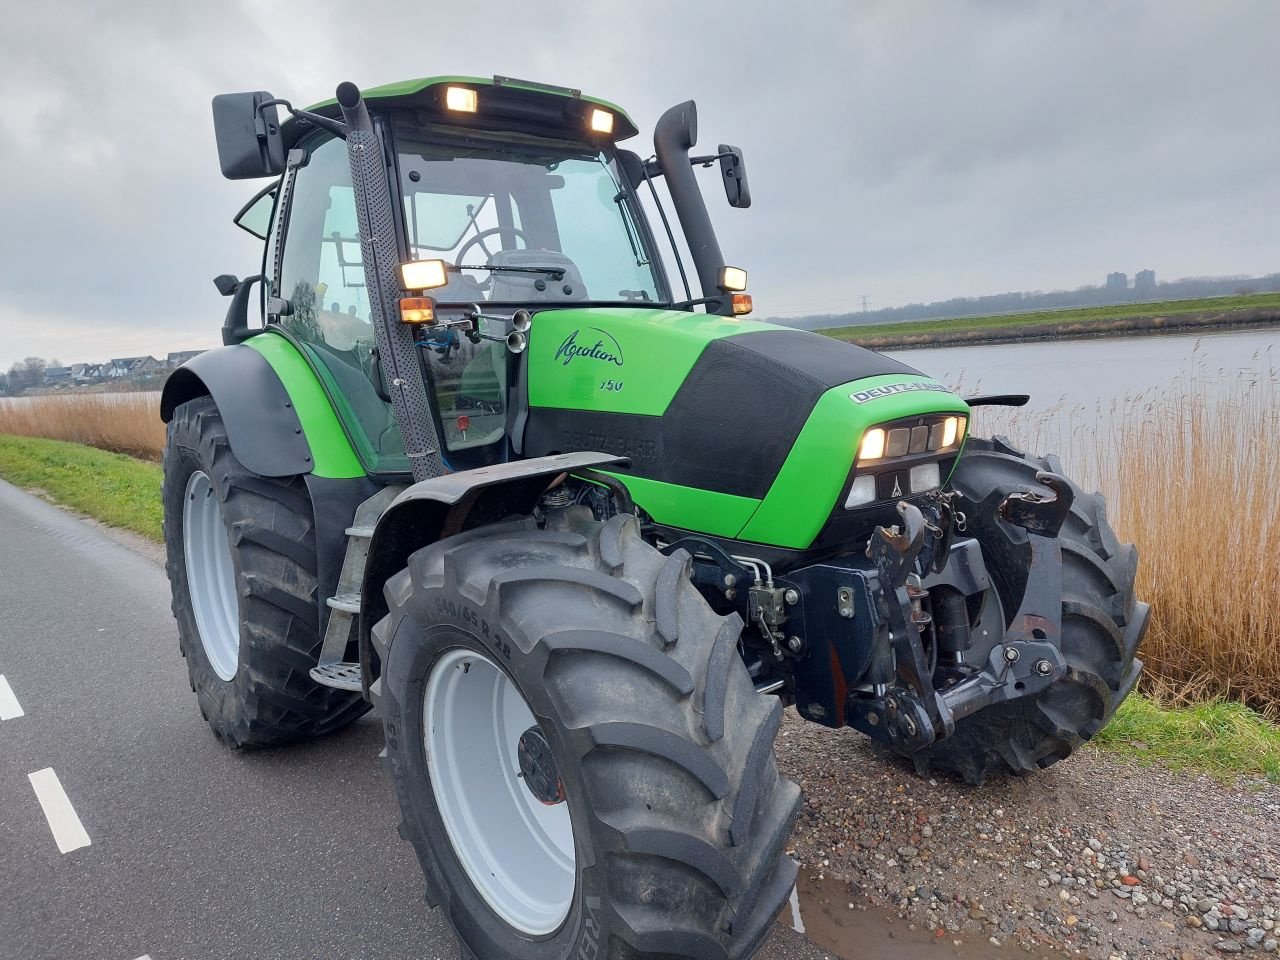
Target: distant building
x: 1144, y: 283
x: 1117, y: 282
x: 123, y: 367
x: 178, y: 357
x: 57, y: 375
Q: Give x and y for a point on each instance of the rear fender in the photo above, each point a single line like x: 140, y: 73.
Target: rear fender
x: 279, y: 420
x: 444, y: 506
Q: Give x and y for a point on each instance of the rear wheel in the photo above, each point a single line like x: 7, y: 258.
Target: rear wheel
x: 1102, y: 621
x: 583, y: 764
x: 242, y: 566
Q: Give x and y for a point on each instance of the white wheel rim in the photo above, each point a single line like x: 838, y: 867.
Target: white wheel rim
x: 211, y: 578
x: 517, y: 851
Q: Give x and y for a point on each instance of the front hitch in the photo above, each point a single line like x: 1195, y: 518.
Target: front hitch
x: 911, y: 713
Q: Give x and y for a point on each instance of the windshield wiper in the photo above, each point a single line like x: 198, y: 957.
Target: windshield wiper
x: 555, y: 273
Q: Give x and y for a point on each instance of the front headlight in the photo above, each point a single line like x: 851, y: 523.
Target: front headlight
x: 903, y: 458
x: 891, y: 442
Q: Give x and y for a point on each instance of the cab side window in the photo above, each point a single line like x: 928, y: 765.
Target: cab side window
x: 322, y: 280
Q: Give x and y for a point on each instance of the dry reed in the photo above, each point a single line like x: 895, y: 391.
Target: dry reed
x: 122, y: 422
x: 1191, y: 474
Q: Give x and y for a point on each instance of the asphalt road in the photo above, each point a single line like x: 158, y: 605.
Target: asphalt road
x: 194, y: 851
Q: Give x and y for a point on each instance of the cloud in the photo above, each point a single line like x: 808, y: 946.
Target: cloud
x: 901, y: 149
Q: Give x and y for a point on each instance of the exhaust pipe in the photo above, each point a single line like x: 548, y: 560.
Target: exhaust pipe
x: 673, y: 138
x: 354, y: 112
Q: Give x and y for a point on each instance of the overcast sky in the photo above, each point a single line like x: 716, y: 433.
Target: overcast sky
x: 909, y: 151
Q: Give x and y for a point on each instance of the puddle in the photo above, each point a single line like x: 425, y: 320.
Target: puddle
x: 829, y: 915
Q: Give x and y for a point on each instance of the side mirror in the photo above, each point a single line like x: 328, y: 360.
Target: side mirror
x: 248, y: 134
x: 632, y: 168
x: 734, y: 171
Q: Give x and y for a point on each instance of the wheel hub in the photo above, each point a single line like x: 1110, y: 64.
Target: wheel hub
x: 538, y: 768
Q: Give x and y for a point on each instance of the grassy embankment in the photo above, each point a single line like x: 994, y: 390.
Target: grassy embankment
x: 1134, y: 318
x: 111, y: 487
x: 1190, y: 476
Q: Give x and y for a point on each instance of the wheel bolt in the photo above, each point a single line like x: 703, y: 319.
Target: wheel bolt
x: 1012, y: 655
x: 1044, y: 667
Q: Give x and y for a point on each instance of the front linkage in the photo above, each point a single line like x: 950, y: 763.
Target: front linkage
x: 880, y: 642
x: 914, y: 711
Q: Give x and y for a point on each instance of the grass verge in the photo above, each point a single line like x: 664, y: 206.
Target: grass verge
x: 1222, y: 738
x: 118, y: 490
x: 1083, y: 321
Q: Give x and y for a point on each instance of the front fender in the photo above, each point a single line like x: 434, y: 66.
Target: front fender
x: 443, y: 506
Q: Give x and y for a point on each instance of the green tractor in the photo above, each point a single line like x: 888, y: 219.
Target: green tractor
x: 581, y: 533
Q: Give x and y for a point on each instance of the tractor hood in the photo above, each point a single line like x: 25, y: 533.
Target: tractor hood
x: 734, y: 427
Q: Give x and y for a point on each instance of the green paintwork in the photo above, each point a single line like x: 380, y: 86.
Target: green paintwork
x: 689, y: 508
x: 658, y: 349
x: 813, y: 475
x: 331, y: 451
x: 411, y: 88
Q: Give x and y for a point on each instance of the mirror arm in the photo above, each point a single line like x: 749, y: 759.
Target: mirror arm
x: 709, y: 160
x: 336, y: 127
x: 235, y: 328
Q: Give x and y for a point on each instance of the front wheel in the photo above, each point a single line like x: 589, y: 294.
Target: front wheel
x: 583, y: 765
x: 1102, y: 621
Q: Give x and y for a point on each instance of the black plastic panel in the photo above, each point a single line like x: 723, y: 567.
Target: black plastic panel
x: 262, y: 426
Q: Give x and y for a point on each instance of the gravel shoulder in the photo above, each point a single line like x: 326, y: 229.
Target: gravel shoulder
x: 1097, y: 856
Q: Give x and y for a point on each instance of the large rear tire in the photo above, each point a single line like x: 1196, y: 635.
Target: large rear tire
x: 1102, y: 621
x: 241, y: 559
x: 645, y: 731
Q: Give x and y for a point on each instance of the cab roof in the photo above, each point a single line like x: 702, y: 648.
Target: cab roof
x: 503, y: 102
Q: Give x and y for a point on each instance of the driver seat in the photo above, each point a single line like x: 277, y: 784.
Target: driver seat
x: 461, y: 288
x: 522, y: 287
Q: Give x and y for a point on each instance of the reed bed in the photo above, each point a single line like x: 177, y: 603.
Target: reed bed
x: 1191, y: 474
x: 121, y: 422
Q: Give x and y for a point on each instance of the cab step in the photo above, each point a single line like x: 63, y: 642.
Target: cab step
x: 340, y: 676
x: 334, y: 669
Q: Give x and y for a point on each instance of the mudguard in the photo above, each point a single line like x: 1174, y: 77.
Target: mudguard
x: 279, y: 420
x: 443, y: 506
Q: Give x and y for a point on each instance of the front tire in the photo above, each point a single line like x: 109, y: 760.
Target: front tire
x: 241, y: 559
x: 661, y: 751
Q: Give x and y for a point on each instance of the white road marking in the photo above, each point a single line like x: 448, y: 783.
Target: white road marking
x: 10, y: 709
x: 145, y: 956
x: 68, y: 831
x: 797, y: 922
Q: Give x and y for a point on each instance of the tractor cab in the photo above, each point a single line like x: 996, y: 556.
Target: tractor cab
x: 498, y: 196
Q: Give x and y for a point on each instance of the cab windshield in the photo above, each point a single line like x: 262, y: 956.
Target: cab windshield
x: 524, y: 224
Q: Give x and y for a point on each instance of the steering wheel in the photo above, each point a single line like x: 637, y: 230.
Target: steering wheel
x: 479, y: 239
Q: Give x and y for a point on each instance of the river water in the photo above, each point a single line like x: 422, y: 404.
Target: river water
x: 1081, y: 388
x: 1066, y: 374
